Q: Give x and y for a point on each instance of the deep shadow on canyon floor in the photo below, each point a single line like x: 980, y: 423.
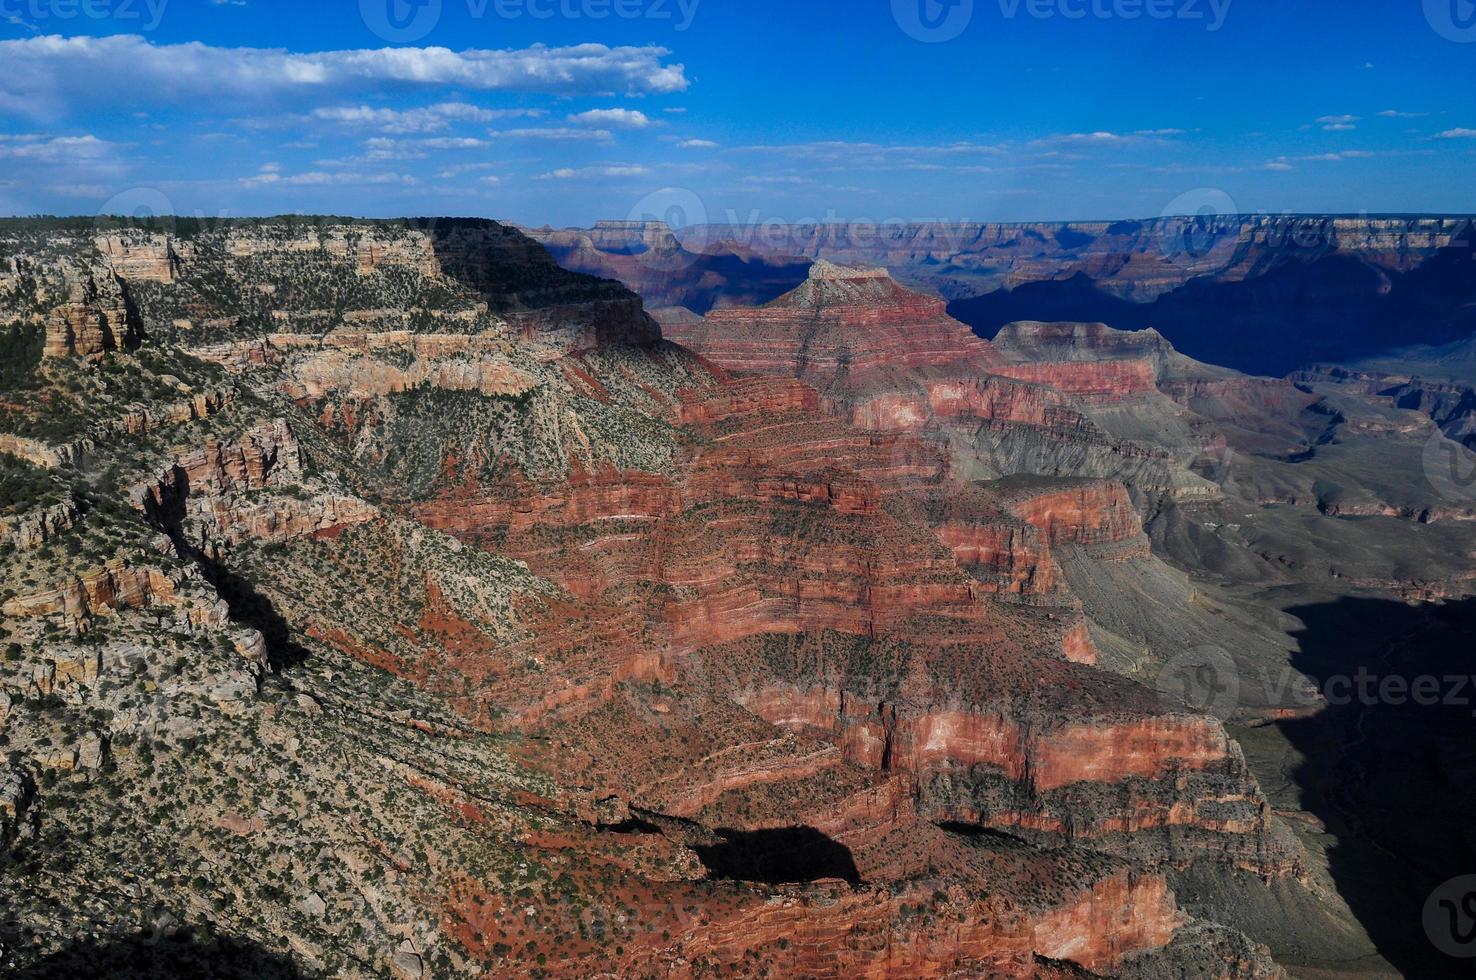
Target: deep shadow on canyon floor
x: 1331, y: 309
x: 1391, y: 774
x: 177, y: 957
x: 787, y: 855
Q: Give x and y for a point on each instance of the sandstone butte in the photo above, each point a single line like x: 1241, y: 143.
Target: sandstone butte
x: 583, y: 650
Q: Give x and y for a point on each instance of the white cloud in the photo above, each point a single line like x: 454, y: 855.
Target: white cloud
x: 451, y: 173
x: 319, y: 178
x: 613, y: 118
x: 78, y: 190
x: 614, y: 170
x: 1099, y: 138
x: 453, y: 143
x: 60, y: 149
x: 1338, y: 124
x: 697, y: 145
x: 560, y: 134
x: 50, y: 75
x: 426, y: 119
x: 1458, y: 134
x: 1339, y: 156
x: 1396, y: 114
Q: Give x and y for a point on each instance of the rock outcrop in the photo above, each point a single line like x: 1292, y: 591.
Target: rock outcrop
x: 1096, y: 513
x: 93, y: 319
x: 17, y: 792
x: 586, y: 651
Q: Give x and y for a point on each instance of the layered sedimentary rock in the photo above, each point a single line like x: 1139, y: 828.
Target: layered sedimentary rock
x: 206, y: 494
x: 119, y: 585
x: 38, y: 525
x: 881, y: 355
x: 631, y: 666
x: 1087, y: 360
x: 1132, y: 259
x: 840, y: 321
x: 1084, y: 512
x: 870, y: 643
x: 890, y: 359
x: 93, y: 319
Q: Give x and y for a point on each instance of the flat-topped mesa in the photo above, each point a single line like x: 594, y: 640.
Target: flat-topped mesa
x: 888, y: 359
x: 624, y: 235
x: 1091, y: 361
x: 829, y: 284
x: 836, y: 329
x: 1106, y: 369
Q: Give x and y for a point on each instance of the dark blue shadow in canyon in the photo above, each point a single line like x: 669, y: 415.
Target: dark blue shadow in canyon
x: 783, y: 856
x: 178, y: 957
x: 1393, y: 780
x: 1318, y: 309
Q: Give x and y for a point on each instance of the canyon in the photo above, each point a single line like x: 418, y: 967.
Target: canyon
x: 1262, y: 293
x: 387, y: 595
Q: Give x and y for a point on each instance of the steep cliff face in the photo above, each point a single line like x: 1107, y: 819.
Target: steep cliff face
x: 674, y: 279
x: 869, y: 643
x: 93, y: 319
x: 1084, y: 512
x: 218, y: 495
x: 509, y: 630
x: 1129, y: 259
x: 890, y: 359
x: 842, y: 330
x: 1266, y: 294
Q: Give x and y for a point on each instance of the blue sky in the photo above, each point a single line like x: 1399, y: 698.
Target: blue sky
x: 565, y: 111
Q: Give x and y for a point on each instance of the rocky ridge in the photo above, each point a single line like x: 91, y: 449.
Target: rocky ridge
x: 326, y: 658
